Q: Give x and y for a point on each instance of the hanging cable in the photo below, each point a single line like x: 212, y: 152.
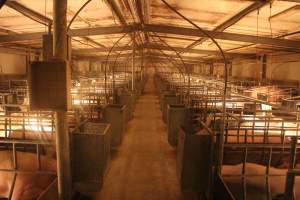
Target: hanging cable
x: 180, y: 71
x: 184, y: 65
x: 271, y: 32
x: 77, y: 13
x: 258, y: 58
x: 113, y: 70
x: 221, y: 136
x: 45, y: 10
x: 106, y: 63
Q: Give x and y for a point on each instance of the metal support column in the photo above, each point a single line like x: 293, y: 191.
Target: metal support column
x: 142, y: 64
x: 60, y: 49
x: 133, y: 63
x: 230, y: 69
x: 211, y: 69
x: 264, y: 67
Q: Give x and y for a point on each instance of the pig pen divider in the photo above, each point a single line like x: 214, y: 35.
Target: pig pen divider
x: 31, y: 132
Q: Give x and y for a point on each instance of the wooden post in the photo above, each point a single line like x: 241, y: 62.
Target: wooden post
x: 60, y: 48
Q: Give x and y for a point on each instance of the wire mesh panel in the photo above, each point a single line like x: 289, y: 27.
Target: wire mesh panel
x: 27, y: 151
x: 91, y: 155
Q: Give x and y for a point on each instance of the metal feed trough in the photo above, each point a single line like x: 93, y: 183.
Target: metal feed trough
x: 90, y: 155
x: 127, y: 98
x: 193, y: 160
x: 115, y: 116
x: 176, y: 118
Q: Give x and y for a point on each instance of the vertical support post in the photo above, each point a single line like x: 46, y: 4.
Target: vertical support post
x: 27, y: 61
x: 293, y: 154
x: 211, y: 69
x: 113, y: 82
x: 60, y: 49
x: 133, y: 63
x: 90, y: 66
x: 264, y: 67
x: 36, y: 56
x: 229, y: 69
x: 219, y: 147
x: 290, y: 177
x: 142, y: 64
x: 60, y: 29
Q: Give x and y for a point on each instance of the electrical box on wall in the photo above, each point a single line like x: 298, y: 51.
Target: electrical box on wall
x: 49, y: 85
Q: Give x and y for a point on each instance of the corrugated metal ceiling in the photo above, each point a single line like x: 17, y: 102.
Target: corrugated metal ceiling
x: 208, y: 14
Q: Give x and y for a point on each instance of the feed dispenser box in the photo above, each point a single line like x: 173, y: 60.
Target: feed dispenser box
x: 49, y: 85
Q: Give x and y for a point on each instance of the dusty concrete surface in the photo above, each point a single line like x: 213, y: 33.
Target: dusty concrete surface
x: 144, y: 166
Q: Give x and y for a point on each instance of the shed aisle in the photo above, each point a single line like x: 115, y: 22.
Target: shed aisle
x: 144, y: 166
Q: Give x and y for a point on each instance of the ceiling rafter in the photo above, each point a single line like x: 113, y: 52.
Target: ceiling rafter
x: 159, y: 47
x: 161, y: 29
x: 115, y: 9
x: 104, y: 57
x: 232, y: 20
x: 139, y: 9
x: 187, y: 59
x: 95, y: 50
x: 89, y: 40
x: 74, y: 32
x: 40, y: 18
x: 223, y: 35
x: 194, y: 51
x: 6, y: 31
x: 123, y: 57
x: 32, y: 14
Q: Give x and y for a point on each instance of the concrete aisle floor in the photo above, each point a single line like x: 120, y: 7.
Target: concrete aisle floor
x: 144, y: 166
